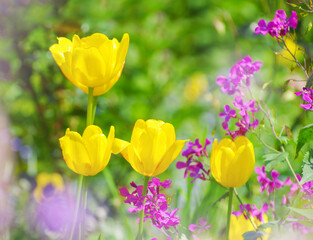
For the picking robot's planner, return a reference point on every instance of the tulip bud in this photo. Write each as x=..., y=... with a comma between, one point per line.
x=91, y=62
x=88, y=154
x=232, y=162
x=153, y=147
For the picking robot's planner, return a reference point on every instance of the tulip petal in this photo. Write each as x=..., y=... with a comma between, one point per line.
x=222, y=161
x=169, y=156
x=170, y=133
x=130, y=154
x=95, y=142
x=119, y=145
x=74, y=153
x=242, y=166
x=121, y=54
x=88, y=67
x=95, y=40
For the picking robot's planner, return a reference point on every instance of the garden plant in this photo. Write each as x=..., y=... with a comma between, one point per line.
x=181, y=132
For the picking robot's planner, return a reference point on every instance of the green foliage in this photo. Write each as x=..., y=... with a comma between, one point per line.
x=307, y=169
x=272, y=160
x=253, y=235
x=305, y=136
x=305, y=212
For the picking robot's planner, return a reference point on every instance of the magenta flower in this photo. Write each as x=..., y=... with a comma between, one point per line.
x=239, y=75
x=155, y=207
x=307, y=96
x=252, y=211
x=279, y=26
x=202, y=227
x=265, y=182
x=194, y=167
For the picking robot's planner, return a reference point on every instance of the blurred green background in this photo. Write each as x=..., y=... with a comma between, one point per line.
x=177, y=49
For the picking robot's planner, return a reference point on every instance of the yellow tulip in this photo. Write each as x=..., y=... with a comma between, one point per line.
x=91, y=62
x=88, y=154
x=232, y=162
x=45, y=180
x=240, y=225
x=152, y=148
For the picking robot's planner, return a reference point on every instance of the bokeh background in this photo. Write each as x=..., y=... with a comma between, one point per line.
x=177, y=50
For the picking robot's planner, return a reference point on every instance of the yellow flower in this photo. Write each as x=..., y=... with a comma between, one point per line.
x=48, y=184
x=196, y=85
x=232, y=162
x=152, y=148
x=91, y=62
x=88, y=154
x=240, y=225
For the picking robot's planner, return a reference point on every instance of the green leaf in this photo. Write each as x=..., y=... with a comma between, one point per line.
x=309, y=28
x=308, y=213
x=268, y=225
x=305, y=136
x=307, y=168
x=253, y=235
x=273, y=159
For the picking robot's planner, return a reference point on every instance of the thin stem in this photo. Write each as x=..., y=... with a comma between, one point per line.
x=244, y=208
x=84, y=205
x=91, y=109
x=81, y=199
x=230, y=200
x=265, y=144
x=78, y=199
x=142, y=213
x=294, y=57
x=275, y=135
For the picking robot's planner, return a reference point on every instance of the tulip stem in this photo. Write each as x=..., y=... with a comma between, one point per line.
x=84, y=204
x=78, y=199
x=91, y=109
x=230, y=201
x=142, y=213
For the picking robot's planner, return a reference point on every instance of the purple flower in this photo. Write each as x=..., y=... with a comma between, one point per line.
x=55, y=213
x=265, y=182
x=192, y=166
x=252, y=211
x=240, y=74
x=261, y=28
x=279, y=26
x=202, y=227
x=307, y=96
x=155, y=207
x=228, y=113
x=296, y=226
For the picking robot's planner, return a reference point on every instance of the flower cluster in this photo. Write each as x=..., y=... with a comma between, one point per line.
x=307, y=96
x=279, y=26
x=154, y=203
x=201, y=228
x=194, y=167
x=240, y=75
x=239, y=78
x=246, y=117
x=297, y=226
x=252, y=211
x=307, y=190
x=267, y=183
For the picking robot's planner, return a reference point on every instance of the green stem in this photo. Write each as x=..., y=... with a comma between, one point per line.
x=142, y=213
x=78, y=199
x=245, y=210
x=91, y=109
x=84, y=205
x=230, y=200
x=81, y=199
